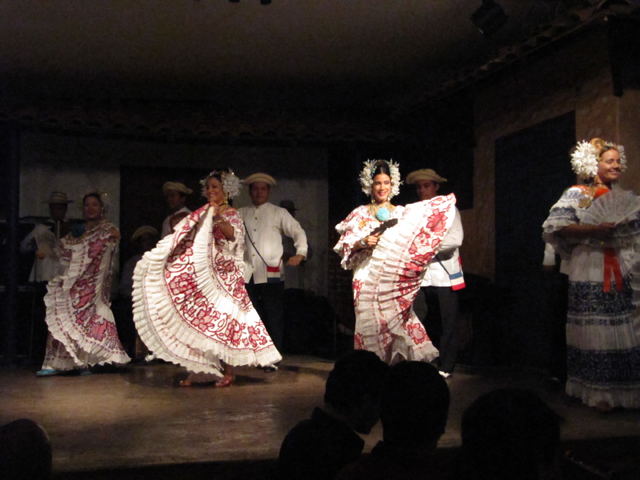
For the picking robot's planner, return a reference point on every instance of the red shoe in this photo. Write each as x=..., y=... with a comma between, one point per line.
x=225, y=381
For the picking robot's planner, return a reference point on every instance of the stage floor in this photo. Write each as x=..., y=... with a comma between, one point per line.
x=138, y=416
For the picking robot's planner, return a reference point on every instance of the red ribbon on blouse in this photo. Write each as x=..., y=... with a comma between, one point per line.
x=611, y=264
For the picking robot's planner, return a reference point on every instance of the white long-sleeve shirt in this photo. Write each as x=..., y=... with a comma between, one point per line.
x=449, y=255
x=166, y=225
x=265, y=225
x=42, y=238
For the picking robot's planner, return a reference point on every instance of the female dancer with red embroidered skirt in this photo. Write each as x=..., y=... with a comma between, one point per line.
x=190, y=303
x=82, y=330
x=387, y=267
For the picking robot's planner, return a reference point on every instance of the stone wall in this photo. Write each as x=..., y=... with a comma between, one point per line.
x=574, y=77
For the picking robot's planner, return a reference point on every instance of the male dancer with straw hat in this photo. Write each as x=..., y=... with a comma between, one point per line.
x=265, y=224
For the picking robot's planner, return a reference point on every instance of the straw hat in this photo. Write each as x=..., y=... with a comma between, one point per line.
x=58, y=198
x=424, y=174
x=261, y=177
x=144, y=230
x=177, y=186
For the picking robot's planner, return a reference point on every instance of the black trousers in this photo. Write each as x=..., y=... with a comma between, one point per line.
x=267, y=298
x=443, y=328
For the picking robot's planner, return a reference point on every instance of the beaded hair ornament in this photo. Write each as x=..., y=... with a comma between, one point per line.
x=105, y=199
x=231, y=185
x=366, y=176
x=585, y=158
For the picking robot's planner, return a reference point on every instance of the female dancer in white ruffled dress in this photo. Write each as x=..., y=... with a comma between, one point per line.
x=603, y=321
x=387, y=267
x=190, y=305
x=82, y=331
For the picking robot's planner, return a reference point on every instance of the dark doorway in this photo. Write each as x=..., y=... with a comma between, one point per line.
x=532, y=170
x=142, y=201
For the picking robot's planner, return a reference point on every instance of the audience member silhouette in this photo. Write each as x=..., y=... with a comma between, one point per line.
x=25, y=451
x=318, y=448
x=508, y=434
x=413, y=412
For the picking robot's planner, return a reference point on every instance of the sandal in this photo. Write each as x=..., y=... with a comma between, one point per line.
x=225, y=381
x=191, y=383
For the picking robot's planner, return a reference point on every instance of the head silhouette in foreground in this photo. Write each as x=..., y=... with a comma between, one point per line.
x=319, y=447
x=508, y=433
x=25, y=451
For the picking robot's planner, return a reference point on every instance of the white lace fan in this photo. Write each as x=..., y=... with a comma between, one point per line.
x=616, y=206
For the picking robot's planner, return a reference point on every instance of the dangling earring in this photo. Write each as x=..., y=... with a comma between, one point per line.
x=226, y=198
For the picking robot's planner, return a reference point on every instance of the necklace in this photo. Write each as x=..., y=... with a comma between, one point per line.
x=91, y=225
x=592, y=192
x=223, y=207
x=380, y=211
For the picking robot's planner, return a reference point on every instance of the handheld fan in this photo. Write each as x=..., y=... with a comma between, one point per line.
x=616, y=206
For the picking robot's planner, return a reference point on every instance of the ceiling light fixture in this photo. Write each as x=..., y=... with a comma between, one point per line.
x=489, y=18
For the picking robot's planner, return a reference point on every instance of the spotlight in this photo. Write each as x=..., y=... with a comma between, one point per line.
x=489, y=17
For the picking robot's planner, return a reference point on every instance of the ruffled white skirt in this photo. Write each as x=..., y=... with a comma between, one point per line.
x=386, y=284
x=82, y=330
x=190, y=305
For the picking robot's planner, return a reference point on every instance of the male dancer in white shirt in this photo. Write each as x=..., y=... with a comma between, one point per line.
x=443, y=277
x=176, y=194
x=43, y=241
x=265, y=224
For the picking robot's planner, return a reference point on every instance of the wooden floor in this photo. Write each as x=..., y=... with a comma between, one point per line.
x=138, y=417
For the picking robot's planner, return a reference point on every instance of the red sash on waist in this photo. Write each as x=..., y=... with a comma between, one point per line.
x=611, y=264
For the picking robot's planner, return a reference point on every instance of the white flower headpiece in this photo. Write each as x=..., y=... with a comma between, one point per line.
x=231, y=184
x=104, y=197
x=584, y=159
x=366, y=176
